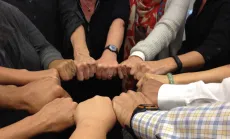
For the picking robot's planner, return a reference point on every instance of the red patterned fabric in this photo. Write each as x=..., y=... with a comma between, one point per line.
x=144, y=14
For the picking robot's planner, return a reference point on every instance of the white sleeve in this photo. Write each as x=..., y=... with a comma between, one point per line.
x=171, y=96
x=139, y=54
x=165, y=31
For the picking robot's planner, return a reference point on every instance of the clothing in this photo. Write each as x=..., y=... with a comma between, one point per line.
x=171, y=96
x=208, y=33
x=143, y=18
x=22, y=45
x=166, y=37
x=51, y=17
x=206, y=121
x=97, y=29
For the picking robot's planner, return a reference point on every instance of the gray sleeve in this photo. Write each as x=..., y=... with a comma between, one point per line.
x=45, y=50
x=165, y=31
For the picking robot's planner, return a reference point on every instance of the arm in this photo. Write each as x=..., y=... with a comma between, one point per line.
x=164, y=32
x=45, y=50
x=72, y=22
x=210, y=76
x=192, y=94
x=22, y=77
x=89, y=131
x=212, y=47
x=23, y=129
x=183, y=122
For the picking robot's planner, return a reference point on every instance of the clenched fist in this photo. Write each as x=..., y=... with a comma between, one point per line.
x=65, y=68
x=36, y=94
x=57, y=115
x=86, y=66
x=125, y=104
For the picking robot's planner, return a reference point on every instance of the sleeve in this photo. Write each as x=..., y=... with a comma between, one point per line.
x=194, y=94
x=165, y=31
x=218, y=38
x=121, y=10
x=70, y=16
x=206, y=121
x=45, y=50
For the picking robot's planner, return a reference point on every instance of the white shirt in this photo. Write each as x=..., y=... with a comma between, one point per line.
x=172, y=96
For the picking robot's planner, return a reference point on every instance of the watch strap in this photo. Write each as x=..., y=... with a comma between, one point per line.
x=140, y=108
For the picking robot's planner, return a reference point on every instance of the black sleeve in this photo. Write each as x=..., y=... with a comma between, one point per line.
x=121, y=10
x=218, y=40
x=70, y=16
x=45, y=50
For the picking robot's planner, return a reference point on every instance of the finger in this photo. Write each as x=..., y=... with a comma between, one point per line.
x=123, y=69
x=64, y=94
x=139, y=84
x=92, y=68
x=86, y=71
x=110, y=73
x=133, y=70
x=120, y=73
x=104, y=72
x=80, y=75
x=99, y=70
x=115, y=69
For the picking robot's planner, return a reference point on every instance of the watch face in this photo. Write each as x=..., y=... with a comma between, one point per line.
x=113, y=48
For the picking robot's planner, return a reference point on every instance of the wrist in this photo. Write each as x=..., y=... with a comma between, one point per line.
x=94, y=128
x=170, y=64
x=109, y=55
x=136, y=58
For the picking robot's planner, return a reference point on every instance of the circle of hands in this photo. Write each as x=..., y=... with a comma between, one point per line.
x=56, y=103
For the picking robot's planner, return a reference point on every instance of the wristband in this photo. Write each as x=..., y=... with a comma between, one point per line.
x=170, y=77
x=179, y=64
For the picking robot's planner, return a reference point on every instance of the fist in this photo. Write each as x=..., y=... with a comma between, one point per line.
x=57, y=115
x=38, y=93
x=126, y=103
x=107, y=66
x=65, y=68
x=149, y=87
x=129, y=66
x=86, y=66
x=98, y=111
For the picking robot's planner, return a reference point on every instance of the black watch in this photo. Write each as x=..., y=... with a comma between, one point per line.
x=140, y=108
x=112, y=48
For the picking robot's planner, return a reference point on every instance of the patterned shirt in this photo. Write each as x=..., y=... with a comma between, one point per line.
x=206, y=121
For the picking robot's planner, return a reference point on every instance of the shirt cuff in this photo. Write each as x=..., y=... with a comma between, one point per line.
x=139, y=54
x=172, y=96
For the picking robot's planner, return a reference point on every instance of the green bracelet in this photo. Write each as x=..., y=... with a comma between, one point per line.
x=170, y=77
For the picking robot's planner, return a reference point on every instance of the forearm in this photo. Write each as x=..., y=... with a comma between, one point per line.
x=88, y=131
x=191, y=61
x=14, y=76
x=78, y=41
x=116, y=33
x=176, y=122
x=23, y=129
x=210, y=76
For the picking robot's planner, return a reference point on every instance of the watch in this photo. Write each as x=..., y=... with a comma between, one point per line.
x=112, y=48
x=140, y=108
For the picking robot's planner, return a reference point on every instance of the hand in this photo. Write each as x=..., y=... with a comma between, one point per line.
x=57, y=115
x=107, y=65
x=126, y=103
x=38, y=93
x=129, y=66
x=155, y=67
x=65, y=68
x=37, y=75
x=150, y=88
x=86, y=66
x=96, y=111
